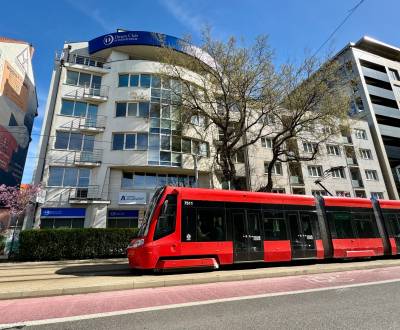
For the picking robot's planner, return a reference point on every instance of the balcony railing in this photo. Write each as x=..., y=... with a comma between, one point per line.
x=92, y=157
x=296, y=180
x=91, y=123
x=347, y=139
x=85, y=193
x=93, y=93
x=351, y=161
x=357, y=183
x=80, y=59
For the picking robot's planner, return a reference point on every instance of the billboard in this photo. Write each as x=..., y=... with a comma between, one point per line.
x=18, y=106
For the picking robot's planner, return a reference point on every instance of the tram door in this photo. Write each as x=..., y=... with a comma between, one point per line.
x=248, y=244
x=303, y=227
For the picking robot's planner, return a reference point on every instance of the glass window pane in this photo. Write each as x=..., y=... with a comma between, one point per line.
x=166, y=83
x=210, y=224
x=204, y=149
x=92, y=111
x=96, y=82
x=155, y=110
x=186, y=146
x=154, y=122
x=162, y=180
x=176, y=159
x=142, y=140
x=88, y=142
x=145, y=80
x=72, y=77
x=127, y=180
x=120, y=109
x=62, y=139
x=75, y=141
x=151, y=180
x=130, y=141
x=123, y=80
x=165, y=142
x=165, y=156
x=118, y=141
x=132, y=109
x=67, y=108
x=156, y=93
x=80, y=109
x=172, y=180
x=144, y=109
x=70, y=177
x=165, y=96
x=176, y=143
x=84, y=176
x=84, y=79
x=134, y=80
x=139, y=180
x=155, y=81
x=166, y=113
x=55, y=176
x=154, y=141
x=166, y=123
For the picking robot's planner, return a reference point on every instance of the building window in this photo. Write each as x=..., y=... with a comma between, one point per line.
x=343, y=194
x=309, y=147
x=122, y=222
x=333, y=149
x=278, y=190
x=319, y=193
x=129, y=141
x=78, y=109
x=239, y=157
x=53, y=223
x=83, y=79
x=74, y=141
x=198, y=120
x=365, y=153
x=315, y=171
x=338, y=173
x=266, y=143
x=276, y=169
x=68, y=177
x=377, y=195
x=394, y=74
x=132, y=109
x=360, y=134
x=360, y=194
x=128, y=80
x=371, y=175
x=152, y=180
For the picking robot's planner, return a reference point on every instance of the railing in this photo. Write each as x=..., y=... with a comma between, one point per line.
x=85, y=193
x=86, y=123
x=80, y=59
x=357, y=183
x=294, y=179
x=97, y=91
x=347, y=139
x=93, y=157
x=351, y=161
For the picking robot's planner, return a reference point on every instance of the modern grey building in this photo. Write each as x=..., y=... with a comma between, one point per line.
x=373, y=70
x=111, y=135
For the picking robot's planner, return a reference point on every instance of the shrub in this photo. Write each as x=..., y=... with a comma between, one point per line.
x=82, y=243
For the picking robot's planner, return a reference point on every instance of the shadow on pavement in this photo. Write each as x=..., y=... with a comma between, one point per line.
x=97, y=270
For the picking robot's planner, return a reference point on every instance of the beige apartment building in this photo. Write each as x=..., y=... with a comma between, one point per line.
x=111, y=136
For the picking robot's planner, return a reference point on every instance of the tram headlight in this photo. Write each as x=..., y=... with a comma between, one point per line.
x=136, y=243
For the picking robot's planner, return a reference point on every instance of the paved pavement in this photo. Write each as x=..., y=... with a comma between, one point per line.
x=361, y=299
x=21, y=280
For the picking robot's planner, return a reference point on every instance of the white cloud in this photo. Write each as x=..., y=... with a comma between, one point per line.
x=185, y=15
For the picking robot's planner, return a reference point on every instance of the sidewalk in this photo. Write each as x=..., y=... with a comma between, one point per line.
x=35, y=279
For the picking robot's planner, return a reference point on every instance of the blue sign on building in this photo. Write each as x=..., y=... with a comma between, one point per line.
x=123, y=213
x=62, y=212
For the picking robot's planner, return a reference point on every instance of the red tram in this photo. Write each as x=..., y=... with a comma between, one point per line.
x=192, y=227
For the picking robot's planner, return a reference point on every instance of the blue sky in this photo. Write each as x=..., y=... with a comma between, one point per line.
x=293, y=26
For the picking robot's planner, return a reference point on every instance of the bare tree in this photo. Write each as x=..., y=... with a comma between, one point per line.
x=233, y=88
x=243, y=98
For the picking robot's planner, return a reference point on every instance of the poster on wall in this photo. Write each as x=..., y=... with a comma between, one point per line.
x=18, y=106
x=130, y=197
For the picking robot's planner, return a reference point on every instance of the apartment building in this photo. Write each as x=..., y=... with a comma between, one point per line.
x=18, y=108
x=372, y=68
x=111, y=135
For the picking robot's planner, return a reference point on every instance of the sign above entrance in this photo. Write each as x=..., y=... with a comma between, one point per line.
x=130, y=197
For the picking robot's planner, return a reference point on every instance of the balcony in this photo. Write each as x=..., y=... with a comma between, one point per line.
x=82, y=61
x=296, y=180
x=351, y=161
x=84, y=195
x=94, y=124
x=95, y=93
x=357, y=183
x=347, y=139
x=88, y=158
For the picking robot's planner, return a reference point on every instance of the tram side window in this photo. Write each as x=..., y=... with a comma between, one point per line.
x=167, y=218
x=309, y=222
x=210, y=224
x=366, y=227
x=275, y=226
x=340, y=224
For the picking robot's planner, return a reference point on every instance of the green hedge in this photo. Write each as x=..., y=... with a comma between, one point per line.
x=82, y=243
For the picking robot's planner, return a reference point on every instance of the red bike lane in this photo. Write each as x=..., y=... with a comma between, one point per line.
x=31, y=309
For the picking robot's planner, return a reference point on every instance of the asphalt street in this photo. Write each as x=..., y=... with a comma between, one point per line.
x=373, y=306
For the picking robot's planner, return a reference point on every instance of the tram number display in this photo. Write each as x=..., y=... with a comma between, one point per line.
x=188, y=203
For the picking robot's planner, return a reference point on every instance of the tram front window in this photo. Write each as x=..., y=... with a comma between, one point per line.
x=144, y=228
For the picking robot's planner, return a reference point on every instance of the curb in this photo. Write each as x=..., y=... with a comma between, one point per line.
x=199, y=278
